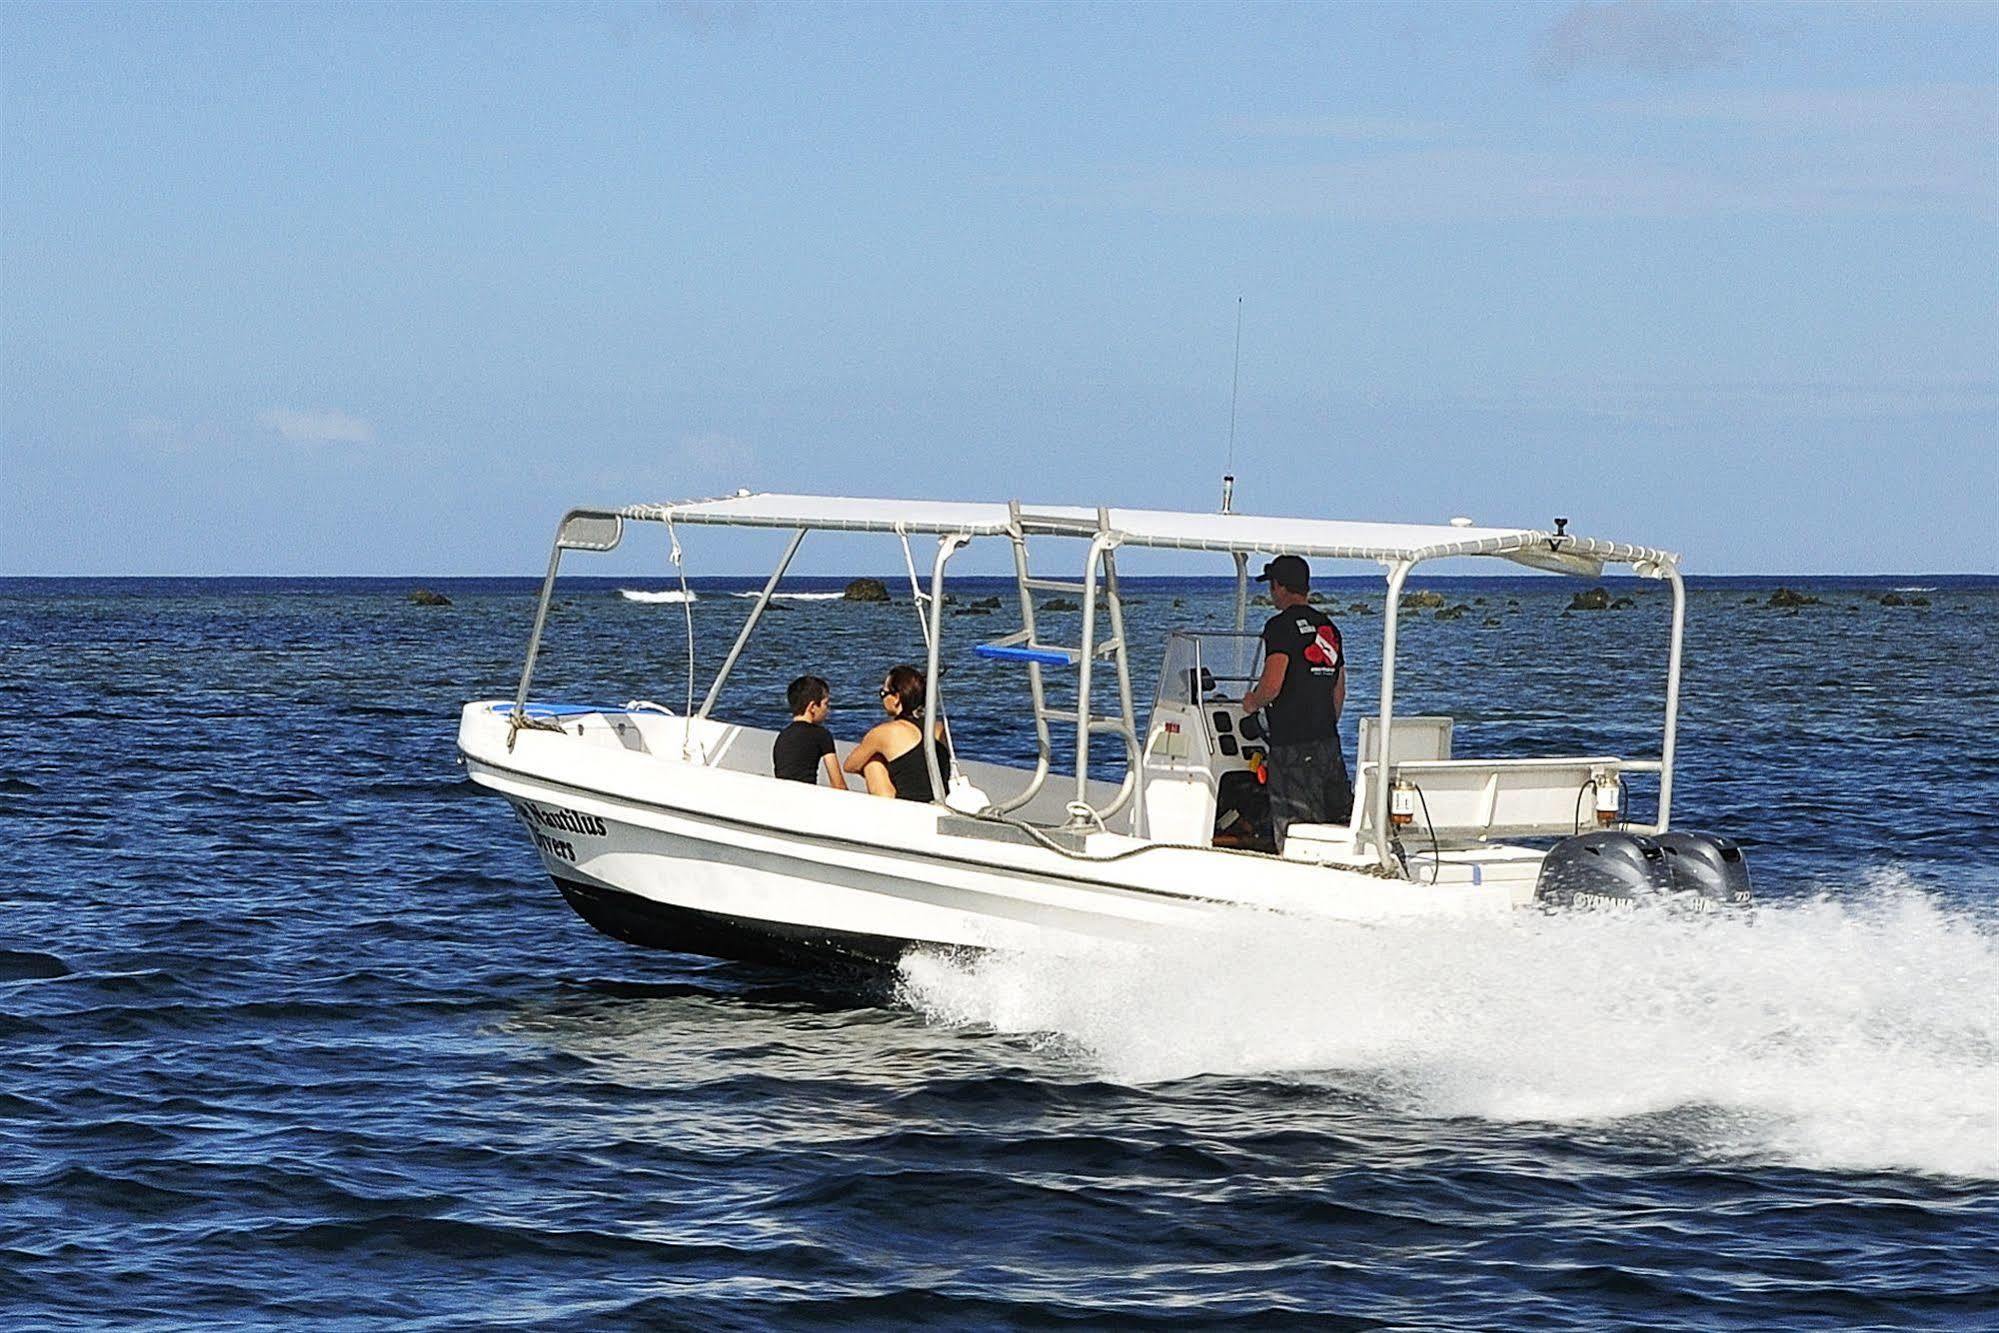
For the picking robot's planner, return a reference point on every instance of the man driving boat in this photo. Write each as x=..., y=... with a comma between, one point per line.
x=1302, y=690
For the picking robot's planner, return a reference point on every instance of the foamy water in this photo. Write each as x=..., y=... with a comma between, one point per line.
x=675, y=596
x=1847, y=1035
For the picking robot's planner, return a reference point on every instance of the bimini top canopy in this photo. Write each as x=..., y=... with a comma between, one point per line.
x=1245, y=533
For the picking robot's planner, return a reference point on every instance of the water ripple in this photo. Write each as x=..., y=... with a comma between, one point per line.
x=298, y=1034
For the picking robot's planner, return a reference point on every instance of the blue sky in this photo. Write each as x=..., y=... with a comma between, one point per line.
x=383, y=289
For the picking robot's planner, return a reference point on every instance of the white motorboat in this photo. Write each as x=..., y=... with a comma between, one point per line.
x=666, y=827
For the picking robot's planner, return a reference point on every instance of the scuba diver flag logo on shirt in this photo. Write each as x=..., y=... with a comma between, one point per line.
x=1324, y=649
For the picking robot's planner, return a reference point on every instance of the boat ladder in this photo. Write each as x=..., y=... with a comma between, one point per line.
x=1026, y=647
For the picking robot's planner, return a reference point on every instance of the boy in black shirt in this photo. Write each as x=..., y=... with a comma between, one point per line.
x=805, y=747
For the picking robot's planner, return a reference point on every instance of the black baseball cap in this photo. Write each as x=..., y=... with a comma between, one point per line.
x=1291, y=571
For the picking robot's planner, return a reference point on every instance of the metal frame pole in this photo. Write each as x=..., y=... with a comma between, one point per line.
x=1241, y=590
x=1377, y=792
x=1132, y=788
x=947, y=545
x=743, y=635
x=1043, y=741
x=540, y=620
x=1672, y=698
x=1087, y=652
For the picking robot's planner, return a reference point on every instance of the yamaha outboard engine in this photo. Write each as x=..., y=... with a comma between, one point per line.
x=1711, y=867
x=1616, y=869
x=1610, y=868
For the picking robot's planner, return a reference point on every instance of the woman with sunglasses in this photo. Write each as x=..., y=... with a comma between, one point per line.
x=890, y=757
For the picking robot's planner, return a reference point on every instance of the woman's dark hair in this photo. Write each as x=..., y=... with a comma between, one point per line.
x=905, y=682
x=806, y=691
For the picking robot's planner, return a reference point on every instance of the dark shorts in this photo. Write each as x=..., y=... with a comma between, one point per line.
x=1309, y=785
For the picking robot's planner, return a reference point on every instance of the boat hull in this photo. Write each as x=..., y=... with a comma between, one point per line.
x=654, y=840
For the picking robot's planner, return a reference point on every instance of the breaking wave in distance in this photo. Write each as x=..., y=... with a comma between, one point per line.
x=667, y=595
x=1841, y=1035
x=803, y=597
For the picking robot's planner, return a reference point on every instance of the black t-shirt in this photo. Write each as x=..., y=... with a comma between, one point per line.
x=1303, y=709
x=798, y=750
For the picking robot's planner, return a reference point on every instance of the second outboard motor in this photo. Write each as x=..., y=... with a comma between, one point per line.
x=1610, y=868
x=1712, y=867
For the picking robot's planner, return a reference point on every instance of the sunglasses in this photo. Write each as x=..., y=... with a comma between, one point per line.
x=886, y=691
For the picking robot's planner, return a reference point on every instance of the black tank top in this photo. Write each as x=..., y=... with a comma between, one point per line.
x=911, y=775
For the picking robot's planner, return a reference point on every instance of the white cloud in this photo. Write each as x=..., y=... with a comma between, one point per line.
x=703, y=17
x=704, y=463
x=1960, y=110
x=714, y=452
x=1894, y=150
x=1343, y=129
x=1470, y=183
x=319, y=426
x=1657, y=38
x=160, y=435
x=1681, y=404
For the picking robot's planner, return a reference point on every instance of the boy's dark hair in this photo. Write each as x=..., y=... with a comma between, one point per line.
x=802, y=693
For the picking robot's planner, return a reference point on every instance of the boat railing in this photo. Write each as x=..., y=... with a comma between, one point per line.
x=956, y=525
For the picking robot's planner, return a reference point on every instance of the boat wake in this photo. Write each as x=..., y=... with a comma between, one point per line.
x=669, y=595
x=1856, y=1035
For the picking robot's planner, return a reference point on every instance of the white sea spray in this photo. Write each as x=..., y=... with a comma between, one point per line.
x=1848, y=1033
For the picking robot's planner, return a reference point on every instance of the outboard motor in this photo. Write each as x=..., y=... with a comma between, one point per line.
x=1616, y=869
x=1712, y=867
x=1610, y=868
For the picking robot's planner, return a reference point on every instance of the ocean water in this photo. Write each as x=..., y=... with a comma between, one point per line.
x=298, y=1033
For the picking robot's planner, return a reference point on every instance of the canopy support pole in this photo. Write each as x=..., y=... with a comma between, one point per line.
x=750, y=624
x=933, y=630
x=1241, y=590
x=540, y=622
x=1672, y=698
x=1377, y=789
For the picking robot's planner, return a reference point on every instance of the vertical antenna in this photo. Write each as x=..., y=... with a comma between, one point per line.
x=1235, y=383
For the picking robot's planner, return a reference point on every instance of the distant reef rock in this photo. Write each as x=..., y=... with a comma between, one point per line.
x=1596, y=599
x=1059, y=604
x=1421, y=601
x=428, y=597
x=1790, y=599
x=865, y=590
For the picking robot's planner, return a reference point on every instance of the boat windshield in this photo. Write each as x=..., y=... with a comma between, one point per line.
x=1203, y=664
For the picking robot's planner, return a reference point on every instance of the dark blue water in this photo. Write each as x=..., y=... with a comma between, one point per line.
x=297, y=1032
